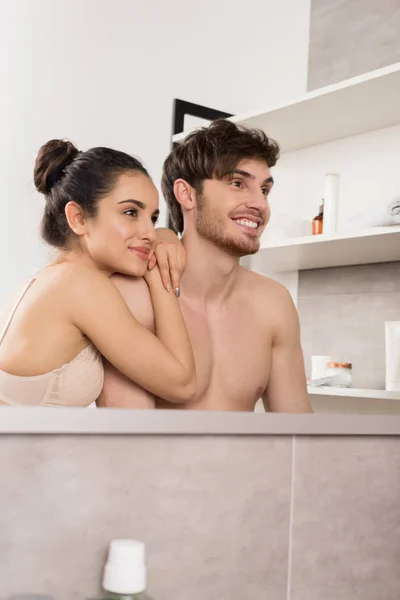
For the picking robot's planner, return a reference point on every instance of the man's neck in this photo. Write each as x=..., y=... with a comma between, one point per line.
x=210, y=273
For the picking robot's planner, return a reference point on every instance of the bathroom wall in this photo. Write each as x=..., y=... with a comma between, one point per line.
x=342, y=311
x=222, y=517
x=106, y=73
x=351, y=37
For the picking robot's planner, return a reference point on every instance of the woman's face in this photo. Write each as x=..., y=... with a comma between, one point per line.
x=121, y=238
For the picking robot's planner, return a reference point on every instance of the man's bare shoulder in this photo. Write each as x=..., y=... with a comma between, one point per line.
x=135, y=292
x=263, y=287
x=270, y=300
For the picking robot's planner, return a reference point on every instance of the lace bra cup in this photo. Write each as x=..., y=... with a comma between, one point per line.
x=77, y=383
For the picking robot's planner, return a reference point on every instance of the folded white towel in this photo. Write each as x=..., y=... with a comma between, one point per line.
x=382, y=215
x=283, y=226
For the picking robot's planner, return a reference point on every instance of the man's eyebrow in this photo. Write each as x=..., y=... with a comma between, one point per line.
x=241, y=172
x=250, y=176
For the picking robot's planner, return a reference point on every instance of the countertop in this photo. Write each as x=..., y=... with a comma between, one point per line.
x=109, y=421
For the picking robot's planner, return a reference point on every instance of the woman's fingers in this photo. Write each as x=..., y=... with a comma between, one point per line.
x=152, y=262
x=161, y=254
x=171, y=260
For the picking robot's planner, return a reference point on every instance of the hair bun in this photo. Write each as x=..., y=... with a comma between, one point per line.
x=51, y=161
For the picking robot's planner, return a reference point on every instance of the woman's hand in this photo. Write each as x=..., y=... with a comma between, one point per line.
x=170, y=256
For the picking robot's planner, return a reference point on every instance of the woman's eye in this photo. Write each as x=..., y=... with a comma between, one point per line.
x=132, y=212
x=155, y=220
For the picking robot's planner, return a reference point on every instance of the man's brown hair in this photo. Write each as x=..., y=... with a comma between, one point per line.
x=212, y=152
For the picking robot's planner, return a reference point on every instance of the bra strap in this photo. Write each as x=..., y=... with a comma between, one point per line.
x=17, y=303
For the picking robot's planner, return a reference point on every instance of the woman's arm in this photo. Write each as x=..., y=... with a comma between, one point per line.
x=163, y=365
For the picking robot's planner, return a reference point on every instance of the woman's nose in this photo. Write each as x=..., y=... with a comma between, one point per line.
x=148, y=232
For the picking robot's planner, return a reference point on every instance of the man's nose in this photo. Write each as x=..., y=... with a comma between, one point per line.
x=258, y=201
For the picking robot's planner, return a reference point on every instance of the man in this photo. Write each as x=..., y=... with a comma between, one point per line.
x=243, y=326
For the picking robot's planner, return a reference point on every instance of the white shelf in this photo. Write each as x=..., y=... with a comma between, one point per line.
x=353, y=393
x=381, y=244
x=352, y=107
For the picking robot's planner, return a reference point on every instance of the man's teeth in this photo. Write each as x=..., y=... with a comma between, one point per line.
x=247, y=223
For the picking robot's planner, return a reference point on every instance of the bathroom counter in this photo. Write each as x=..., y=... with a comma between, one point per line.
x=216, y=497
x=174, y=422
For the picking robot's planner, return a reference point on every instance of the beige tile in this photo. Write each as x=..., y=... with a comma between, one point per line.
x=213, y=512
x=349, y=328
x=361, y=279
x=351, y=37
x=346, y=534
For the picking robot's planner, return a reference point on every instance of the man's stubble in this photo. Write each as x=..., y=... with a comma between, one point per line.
x=211, y=227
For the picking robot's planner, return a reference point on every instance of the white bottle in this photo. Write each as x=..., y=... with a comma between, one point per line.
x=331, y=203
x=125, y=571
x=392, y=343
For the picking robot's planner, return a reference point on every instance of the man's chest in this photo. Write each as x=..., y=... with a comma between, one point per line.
x=232, y=354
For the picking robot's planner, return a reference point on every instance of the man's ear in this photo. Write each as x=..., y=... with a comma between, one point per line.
x=185, y=194
x=76, y=218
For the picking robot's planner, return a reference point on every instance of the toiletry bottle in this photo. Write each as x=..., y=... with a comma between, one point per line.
x=317, y=222
x=125, y=571
x=331, y=202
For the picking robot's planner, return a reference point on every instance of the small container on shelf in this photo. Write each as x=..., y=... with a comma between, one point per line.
x=331, y=202
x=342, y=372
x=318, y=221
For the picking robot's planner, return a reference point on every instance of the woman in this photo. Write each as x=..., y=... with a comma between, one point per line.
x=100, y=213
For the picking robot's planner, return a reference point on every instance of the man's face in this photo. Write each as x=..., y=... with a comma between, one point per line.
x=233, y=212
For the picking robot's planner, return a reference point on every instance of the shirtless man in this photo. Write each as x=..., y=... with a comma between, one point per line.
x=243, y=326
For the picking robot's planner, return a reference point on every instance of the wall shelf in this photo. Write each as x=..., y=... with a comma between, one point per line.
x=381, y=244
x=353, y=393
x=352, y=107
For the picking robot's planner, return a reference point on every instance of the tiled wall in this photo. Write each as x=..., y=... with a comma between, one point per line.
x=342, y=314
x=351, y=37
x=346, y=530
x=223, y=518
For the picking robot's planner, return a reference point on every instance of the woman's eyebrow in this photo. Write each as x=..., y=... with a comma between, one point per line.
x=137, y=202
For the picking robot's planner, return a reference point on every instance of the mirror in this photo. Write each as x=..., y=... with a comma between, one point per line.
x=314, y=224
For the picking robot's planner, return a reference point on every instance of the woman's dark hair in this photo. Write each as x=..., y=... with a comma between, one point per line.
x=62, y=173
x=212, y=152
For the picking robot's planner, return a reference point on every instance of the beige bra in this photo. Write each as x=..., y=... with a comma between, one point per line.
x=77, y=383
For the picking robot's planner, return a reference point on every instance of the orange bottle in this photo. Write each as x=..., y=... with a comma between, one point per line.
x=318, y=221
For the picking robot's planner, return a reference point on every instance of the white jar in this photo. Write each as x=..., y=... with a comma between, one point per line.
x=319, y=365
x=343, y=372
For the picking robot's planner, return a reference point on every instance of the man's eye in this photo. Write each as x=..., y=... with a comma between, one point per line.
x=265, y=191
x=236, y=183
x=132, y=212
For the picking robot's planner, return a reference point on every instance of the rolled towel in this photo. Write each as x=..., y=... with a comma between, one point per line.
x=382, y=215
x=394, y=207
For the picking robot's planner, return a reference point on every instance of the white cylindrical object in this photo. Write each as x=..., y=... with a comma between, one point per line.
x=125, y=571
x=319, y=365
x=392, y=339
x=331, y=203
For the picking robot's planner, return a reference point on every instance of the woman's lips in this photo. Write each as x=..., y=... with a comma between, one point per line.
x=142, y=252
